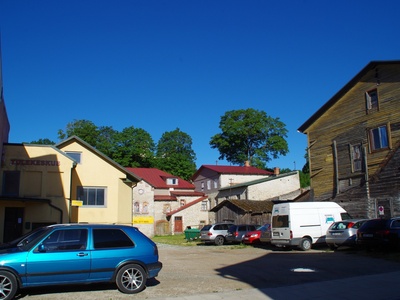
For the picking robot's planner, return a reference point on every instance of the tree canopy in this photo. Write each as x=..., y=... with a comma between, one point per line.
x=175, y=154
x=250, y=135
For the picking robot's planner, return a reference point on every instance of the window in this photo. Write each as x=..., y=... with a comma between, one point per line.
x=204, y=205
x=64, y=240
x=215, y=183
x=75, y=156
x=379, y=138
x=356, y=157
x=371, y=98
x=172, y=181
x=110, y=238
x=202, y=186
x=91, y=196
x=183, y=202
x=208, y=184
x=11, y=183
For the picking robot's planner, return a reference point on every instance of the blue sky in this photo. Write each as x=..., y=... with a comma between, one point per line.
x=162, y=65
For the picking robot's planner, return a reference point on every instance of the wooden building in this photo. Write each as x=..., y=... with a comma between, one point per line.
x=353, y=144
x=255, y=212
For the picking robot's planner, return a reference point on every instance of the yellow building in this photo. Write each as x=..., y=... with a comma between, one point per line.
x=68, y=182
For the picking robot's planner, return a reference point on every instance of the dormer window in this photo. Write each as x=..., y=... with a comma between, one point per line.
x=172, y=181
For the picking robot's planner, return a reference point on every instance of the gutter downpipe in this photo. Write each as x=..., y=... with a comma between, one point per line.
x=70, y=192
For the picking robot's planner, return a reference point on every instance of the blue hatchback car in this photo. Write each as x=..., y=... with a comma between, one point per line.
x=78, y=253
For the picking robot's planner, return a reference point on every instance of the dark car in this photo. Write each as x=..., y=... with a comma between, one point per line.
x=383, y=233
x=261, y=235
x=236, y=232
x=343, y=233
x=79, y=253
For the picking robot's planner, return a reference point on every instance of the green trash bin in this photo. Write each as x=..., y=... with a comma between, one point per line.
x=192, y=234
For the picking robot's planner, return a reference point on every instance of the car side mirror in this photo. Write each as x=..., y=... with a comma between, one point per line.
x=41, y=248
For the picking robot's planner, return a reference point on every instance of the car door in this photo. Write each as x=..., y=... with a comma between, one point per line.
x=61, y=257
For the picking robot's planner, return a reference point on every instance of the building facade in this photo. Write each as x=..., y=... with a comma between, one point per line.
x=353, y=144
x=68, y=182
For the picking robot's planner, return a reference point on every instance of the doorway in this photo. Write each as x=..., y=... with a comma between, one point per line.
x=13, y=223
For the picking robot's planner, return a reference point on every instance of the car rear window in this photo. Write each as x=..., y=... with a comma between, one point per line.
x=111, y=238
x=206, y=228
x=374, y=224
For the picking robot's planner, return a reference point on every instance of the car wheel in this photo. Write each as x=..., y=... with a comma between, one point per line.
x=305, y=244
x=131, y=279
x=8, y=285
x=219, y=240
x=332, y=246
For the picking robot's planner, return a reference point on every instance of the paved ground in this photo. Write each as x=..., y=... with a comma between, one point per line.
x=210, y=272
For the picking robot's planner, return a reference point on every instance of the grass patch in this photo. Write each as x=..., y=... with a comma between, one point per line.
x=176, y=239
x=180, y=240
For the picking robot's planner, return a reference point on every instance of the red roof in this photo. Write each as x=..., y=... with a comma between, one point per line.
x=186, y=206
x=157, y=178
x=237, y=170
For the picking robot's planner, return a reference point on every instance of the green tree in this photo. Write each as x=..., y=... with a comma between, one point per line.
x=43, y=142
x=107, y=140
x=84, y=129
x=175, y=154
x=250, y=135
x=134, y=148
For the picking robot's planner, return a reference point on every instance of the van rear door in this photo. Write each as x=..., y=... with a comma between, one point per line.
x=280, y=234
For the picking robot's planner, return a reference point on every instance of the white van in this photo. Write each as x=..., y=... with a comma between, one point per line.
x=302, y=224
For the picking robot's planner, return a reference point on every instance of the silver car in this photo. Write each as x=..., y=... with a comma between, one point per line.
x=215, y=233
x=343, y=233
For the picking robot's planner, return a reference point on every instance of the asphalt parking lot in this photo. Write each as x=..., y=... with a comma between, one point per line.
x=211, y=270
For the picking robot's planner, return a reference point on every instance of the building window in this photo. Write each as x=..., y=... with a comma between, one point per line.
x=172, y=181
x=371, y=98
x=379, y=138
x=75, y=156
x=166, y=208
x=356, y=157
x=204, y=206
x=91, y=196
x=208, y=184
x=183, y=202
x=215, y=183
x=11, y=183
x=202, y=186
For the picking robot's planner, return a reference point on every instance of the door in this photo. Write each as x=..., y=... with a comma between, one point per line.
x=178, y=224
x=13, y=221
x=61, y=257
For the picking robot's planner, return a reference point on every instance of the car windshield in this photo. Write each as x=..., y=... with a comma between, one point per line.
x=264, y=227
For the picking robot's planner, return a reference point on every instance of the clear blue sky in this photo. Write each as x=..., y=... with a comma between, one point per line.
x=162, y=65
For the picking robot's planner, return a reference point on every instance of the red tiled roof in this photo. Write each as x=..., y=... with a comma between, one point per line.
x=164, y=198
x=187, y=193
x=238, y=170
x=186, y=206
x=157, y=178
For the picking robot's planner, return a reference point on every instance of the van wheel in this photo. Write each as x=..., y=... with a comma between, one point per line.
x=305, y=244
x=219, y=240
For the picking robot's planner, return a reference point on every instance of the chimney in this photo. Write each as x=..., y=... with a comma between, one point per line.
x=247, y=163
x=276, y=171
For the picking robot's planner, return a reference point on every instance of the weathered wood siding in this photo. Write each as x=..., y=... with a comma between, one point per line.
x=347, y=123
x=234, y=214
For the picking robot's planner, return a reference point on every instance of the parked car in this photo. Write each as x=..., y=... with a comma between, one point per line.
x=215, y=233
x=262, y=234
x=343, y=233
x=236, y=232
x=79, y=253
x=380, y=233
